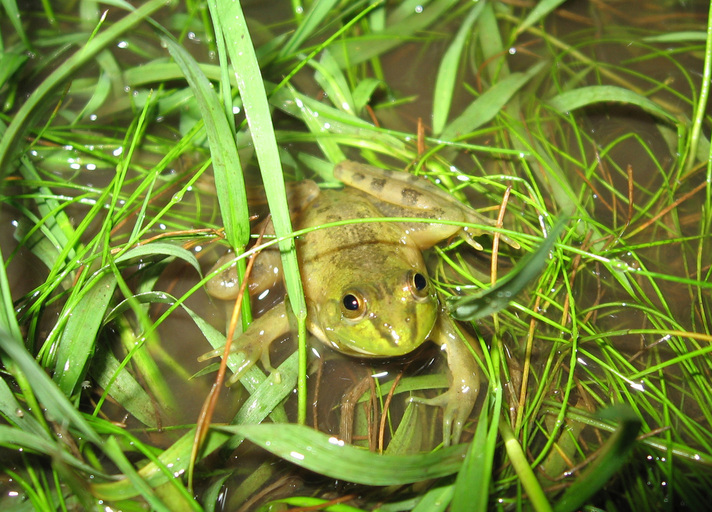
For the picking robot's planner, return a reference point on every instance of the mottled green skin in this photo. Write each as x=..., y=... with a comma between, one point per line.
x=381, y=265
x=374, y=261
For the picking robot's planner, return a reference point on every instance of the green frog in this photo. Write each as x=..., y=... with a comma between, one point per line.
x=366, y=285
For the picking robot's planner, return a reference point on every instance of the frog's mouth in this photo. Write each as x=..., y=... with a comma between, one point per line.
x=371, y=338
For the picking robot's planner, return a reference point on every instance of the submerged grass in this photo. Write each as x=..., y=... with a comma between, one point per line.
x=601, y=364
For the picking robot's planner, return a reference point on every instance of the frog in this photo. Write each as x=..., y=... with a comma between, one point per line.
x=367, y=289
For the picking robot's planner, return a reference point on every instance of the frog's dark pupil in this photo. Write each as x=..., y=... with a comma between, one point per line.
x=350, y=302
x=420, y=282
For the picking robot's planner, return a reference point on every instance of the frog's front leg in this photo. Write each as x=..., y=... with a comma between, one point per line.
x=255, y=342
x=459, y=400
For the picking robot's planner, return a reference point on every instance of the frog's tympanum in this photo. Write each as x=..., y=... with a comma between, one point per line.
x=366, y=286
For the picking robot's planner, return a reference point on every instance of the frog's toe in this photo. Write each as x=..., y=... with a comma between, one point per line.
x=267, y=365
x=454, y=418
x=468, y=237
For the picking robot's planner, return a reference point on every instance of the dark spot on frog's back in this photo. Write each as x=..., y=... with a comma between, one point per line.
x=377, y=184
x=358, y=176
x=410, y=196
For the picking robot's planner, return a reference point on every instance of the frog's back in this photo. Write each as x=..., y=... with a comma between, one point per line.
x=368, y=244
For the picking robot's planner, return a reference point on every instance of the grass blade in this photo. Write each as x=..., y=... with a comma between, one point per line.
x=591, y=95
x=329, y=456
x=449, y=69
x=614, y=454
x=76, y=344
x=484, y=108
x=492, y=300
x=47, y=391
x=257, y=111
x=541, y=9
x=229, y=182
x=472, y=485
x=312, y=19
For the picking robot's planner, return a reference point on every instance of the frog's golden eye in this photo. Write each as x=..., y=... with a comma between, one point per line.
x=418, y=285
x=353, y=305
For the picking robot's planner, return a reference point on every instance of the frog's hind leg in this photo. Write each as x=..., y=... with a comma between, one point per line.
x=401, y=194
x=266, y=273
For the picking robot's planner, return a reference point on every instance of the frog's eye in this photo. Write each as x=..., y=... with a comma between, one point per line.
x=418, y=285
x=353, y=305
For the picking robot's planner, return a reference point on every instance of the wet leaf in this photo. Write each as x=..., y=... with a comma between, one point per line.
x=331, y=457
x=594, y=94
x=76, y=343
x=492, y=300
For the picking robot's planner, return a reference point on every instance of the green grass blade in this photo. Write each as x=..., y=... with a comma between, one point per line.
x=312, y=19
x=472, y=485
x=542, y=8
x=55, y=402
x=257, y=111
x=8, y=320
x=15, y=438
x=254, y=97
x=15, y=414
x=484, y=108
x=328, y=456
x=519, y=460
x=614, y=454
x=142, y=487
x=449, y=70
x=360, y=49
x=122, y=386
x=492, y=300
x=591, y=95
x=13, y=14
x=266, y=398
x=11, y=60
x=330, y=77
x=76, y=343
x=436, y=500
x=159, y=249
x=229, y=182
x=701, y=106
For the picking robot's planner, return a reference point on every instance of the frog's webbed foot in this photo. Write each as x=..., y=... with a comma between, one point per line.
x=254, y=343
x=251, y=352
x=459, y=400
x=457, y=404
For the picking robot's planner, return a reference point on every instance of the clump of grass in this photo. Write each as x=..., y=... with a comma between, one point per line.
x=601, y=364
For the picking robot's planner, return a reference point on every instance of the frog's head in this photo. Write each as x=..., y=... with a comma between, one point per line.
x=384, y=316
